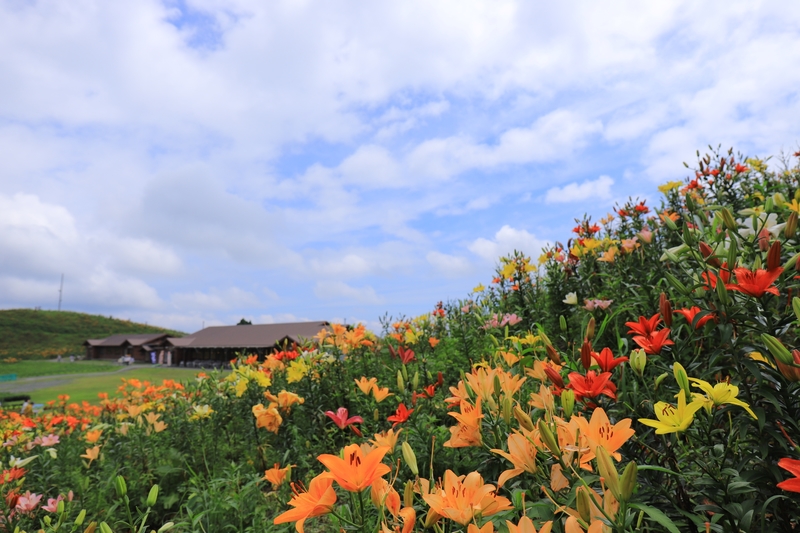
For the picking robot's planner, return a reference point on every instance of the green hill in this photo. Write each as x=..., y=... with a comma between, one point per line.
x=26, y=333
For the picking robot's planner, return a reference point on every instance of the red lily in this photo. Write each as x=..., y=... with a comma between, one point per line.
x=711, y=279
x=401, y=415
x=341, y=419
x=644, y=326
x=406, y=355
x=652, y=345
x=793, y=466
x=605, y=359
x=592, y=385
x=755, y=283
x=691, y=313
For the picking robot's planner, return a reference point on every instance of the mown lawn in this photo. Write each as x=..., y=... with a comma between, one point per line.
x=27, y=369
x=87, y=387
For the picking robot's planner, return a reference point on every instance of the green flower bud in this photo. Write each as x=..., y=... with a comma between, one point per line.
x=152, y=496
x=638, y=360
x=791, y=225
x=568, y=402
x=790, y=264
x=166, y=527
x=722, y=293
x=376, y=415
x=796, y=307
x=659, y=379
x=404, y=368
x=121, y=488
x=104, y=528
x=670, y=223
x=81, y=517
x=48, y=520
x=609, y=472
x=682, y=378
x=401, y=385
x=548, y=438
x=628, y=481
x=676, y=283
x=777, y=349
x=562, y=321
x=508, y=409
x=733, y=251
x=415, y=381
x=727, y=218
x=497, y=387
x=410, y=457
x=584, y=504
x=408, y=494
x=768, y=205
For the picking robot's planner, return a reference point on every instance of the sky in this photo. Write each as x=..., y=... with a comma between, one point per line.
x=194, y=162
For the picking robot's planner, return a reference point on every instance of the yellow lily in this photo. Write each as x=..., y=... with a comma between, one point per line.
x=673, y=419
x=719, y=394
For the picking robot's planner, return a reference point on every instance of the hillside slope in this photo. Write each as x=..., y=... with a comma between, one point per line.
x=29, y=333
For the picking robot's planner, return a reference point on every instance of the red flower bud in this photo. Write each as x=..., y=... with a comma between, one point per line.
x=666, y=309
x=586, y=354
x=774, y=256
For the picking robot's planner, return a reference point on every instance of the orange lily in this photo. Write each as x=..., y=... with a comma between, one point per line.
x=93, y=436
x=380, y=393
x=356, y=471
x=267, y=417
x=468, y=431
x=92, y=454
x=525, y=525
x=365, y=385
x=465, y=497
x=383, y=494
x=317, y=501
x=388, y=439
x=599, y=432
x=521, y=453
x=277, y=475
x=488, y=527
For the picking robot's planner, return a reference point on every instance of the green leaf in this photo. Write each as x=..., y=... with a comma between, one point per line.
x=657, y=516
x=658, y=469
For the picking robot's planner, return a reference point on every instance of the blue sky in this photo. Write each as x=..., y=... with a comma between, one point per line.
x=200, y=161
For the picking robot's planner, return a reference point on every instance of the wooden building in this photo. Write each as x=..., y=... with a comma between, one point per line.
x=223, y=343
x=137, y=346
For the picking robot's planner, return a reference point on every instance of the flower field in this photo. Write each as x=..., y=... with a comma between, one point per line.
x=639, y=376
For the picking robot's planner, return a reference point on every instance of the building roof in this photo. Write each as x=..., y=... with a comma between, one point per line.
x=249, y=335
x=130, y=340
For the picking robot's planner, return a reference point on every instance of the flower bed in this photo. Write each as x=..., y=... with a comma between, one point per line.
x=640, y=377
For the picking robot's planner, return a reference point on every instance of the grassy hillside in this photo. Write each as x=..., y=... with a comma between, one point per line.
x=29, y=333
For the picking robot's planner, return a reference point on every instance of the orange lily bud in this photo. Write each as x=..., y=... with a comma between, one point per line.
x=586, y=354
x=583, y=504
x=523, y=418
x=792, y=373
x=774, y=256
x=666, y=309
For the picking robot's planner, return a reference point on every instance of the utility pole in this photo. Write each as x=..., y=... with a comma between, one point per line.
x=60, y=291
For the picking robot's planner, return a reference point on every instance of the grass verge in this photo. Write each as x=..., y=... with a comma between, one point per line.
x=86, y=388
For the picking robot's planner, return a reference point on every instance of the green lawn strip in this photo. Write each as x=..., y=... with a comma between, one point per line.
x=29, y=369
x=86, y=388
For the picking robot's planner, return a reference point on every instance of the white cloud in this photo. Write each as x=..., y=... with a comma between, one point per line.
x=599, y=189
x=215, y=299
x=451, y=266
x=330, y=290
x=506, y=240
